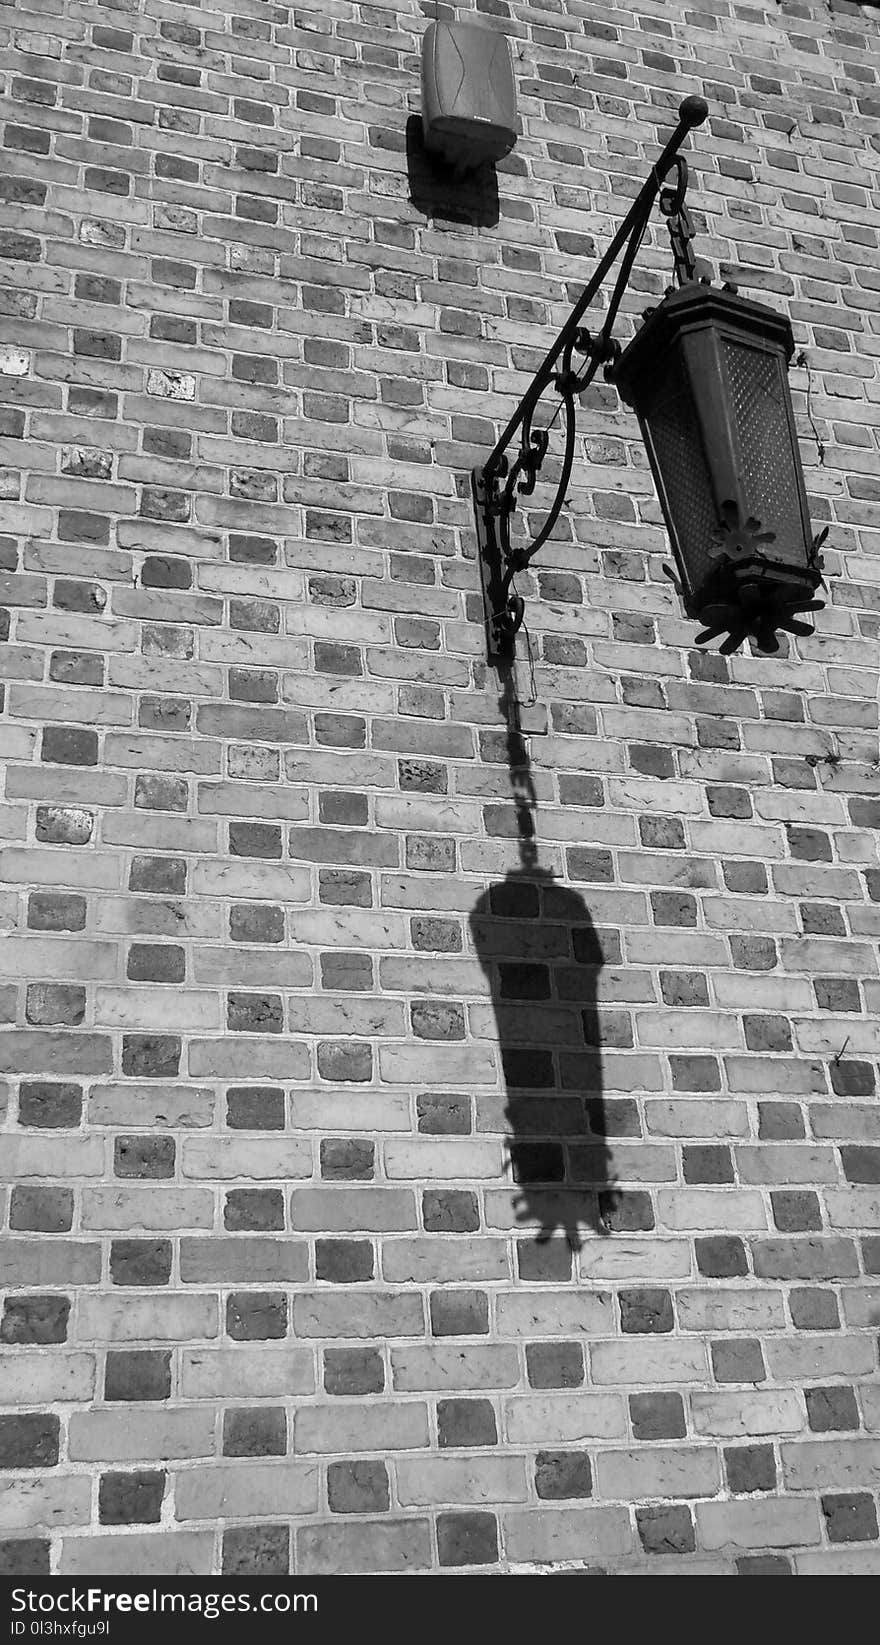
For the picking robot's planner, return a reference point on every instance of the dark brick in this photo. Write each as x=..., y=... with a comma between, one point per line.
x=163, y=876
x=563, y=1475
x=41, y=1210
x=852, y=1079
x=254, y=1209
x=646, y=1311
x=695, y=1073
x=721, y=1256
x=822, y=920
x=138, y=1374
x=345, y=809
x=779, y=1121
x=55, y=1105
x=253, y=685
x=684, y=988
x=808, y=844
x=131, y=1499
x=524, y=982
x=747, y=879
x=140, y=1261
x=35, y=1319
x=24, y=1556
x=73, y=595
x=353, y=1371
x=590, y=866
x=666, y=1530
x=69, y=745
x=814, y=1310
x=555, y=1364
x=256, y=922
x=459, y=1313
x=151, y=1056
x=155, y=962
x=767, y=1033
x=344, y=1261
x=437, y=1020
x=840, y=994
x=256, y=1550
x=467, y=1539
x=339, y=730
x=255, y=1108
x=160, y=792
x=347, y=1159
x=450, y=1211
x=466, y=1422
x=673, y=908
x=151, y=1157
x=341, y=887
x=29, y=1440
x=707, y=1163
x=359, y=1487
x=662, y=833
x=436, y=936
x=164, y=714
x=850, y=1518
x=860, y=1164
x=161, y=571
x=255, y=1431
x=763, y=1565
x=56, y=911
x=753, y=953
x=738, y=1360
x=444, y=1114
x=657, y=1416
x=543, y=1259
x=53, y=1003
x=254, y=1013
x=256, y=1316
x=345, y=1061
x=255, y=839
x=831, y=1410
x=64, y=825
x=248, y=550
x=750, y=1468
x=796, y=1211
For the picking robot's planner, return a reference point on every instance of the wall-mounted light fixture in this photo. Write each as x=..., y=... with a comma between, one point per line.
x=706, y=375
x=468, y=95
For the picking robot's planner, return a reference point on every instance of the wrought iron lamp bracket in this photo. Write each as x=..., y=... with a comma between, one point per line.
x=503, y=481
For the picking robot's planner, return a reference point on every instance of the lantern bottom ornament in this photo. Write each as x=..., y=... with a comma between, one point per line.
x=707, y=377
x=750, y=595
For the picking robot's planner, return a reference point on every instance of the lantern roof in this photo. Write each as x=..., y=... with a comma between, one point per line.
x=698, y=304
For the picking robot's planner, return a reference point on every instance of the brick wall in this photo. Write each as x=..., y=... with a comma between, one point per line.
x=307, y=955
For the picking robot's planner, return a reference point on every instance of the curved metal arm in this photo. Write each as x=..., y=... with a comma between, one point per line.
x=500, y=484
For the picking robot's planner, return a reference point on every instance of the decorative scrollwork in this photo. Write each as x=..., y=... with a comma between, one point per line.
x=500, y=486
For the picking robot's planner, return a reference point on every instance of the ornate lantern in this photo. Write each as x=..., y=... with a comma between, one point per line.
x=706, y=375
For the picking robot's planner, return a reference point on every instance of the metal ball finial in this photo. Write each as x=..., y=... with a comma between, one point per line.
x=693, y=111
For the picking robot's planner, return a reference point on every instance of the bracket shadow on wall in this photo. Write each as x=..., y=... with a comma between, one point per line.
x=436, y=191
x=707, y=376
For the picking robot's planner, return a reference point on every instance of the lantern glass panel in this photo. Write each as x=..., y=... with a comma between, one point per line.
x=681, y=470
x=769, y=480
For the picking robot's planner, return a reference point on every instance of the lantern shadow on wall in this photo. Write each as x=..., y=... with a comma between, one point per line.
x=542, y=955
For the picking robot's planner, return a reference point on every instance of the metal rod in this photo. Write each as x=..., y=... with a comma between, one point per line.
x=692, y=112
